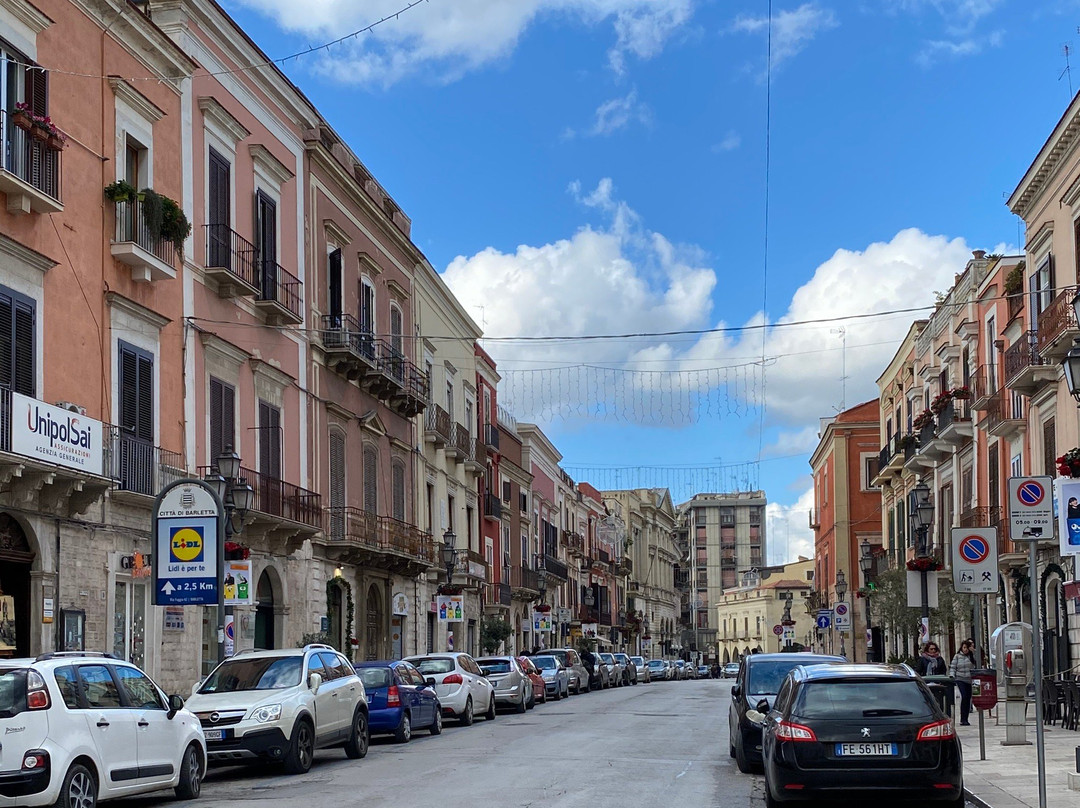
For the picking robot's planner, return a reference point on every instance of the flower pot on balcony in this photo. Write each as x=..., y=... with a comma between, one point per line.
x=22, y=120
x=37, y=133
x=56, y=143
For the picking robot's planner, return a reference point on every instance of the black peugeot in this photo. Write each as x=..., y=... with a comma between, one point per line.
x=760, y=677
x=859, y=732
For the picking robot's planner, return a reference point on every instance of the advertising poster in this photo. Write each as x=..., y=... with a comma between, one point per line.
x=451, y=608
x=7, y=623
x=1068, y=502
x=238, y=583
x=55, y=435
x=589, y=630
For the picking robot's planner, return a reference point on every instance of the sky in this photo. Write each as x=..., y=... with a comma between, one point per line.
x=588, y=168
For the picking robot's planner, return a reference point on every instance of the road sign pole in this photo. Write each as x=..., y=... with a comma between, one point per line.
x=1036, y=650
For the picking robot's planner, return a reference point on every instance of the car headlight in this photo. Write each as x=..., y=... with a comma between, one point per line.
x=269, y=712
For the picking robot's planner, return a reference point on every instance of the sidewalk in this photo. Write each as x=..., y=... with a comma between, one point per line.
x=1008, y=778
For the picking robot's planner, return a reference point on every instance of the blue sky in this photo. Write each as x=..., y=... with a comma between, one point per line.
x=580, y=167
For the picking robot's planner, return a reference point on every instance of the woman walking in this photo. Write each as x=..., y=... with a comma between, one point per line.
x=960, y=669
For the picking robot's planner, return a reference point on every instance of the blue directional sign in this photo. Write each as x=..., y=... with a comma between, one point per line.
x=186, y=535
x=824, y=619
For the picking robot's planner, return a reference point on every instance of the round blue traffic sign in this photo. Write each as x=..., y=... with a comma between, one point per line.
x=1030, y=493
x=974, y=549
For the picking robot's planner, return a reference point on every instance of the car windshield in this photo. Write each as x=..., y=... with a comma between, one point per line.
x=637, y=660
x=374, y=678
x=561, y=656
x=608, y=658
x=545, y=663
x=257, y=673
x=858, y=699
x=433, y=664
x=766, y=677
x=656, y=663
x=12, y=692
x=494, y=665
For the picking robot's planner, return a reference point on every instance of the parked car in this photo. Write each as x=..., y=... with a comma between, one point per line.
x=642, y=669
x=600, y=675
x=579, y=677
x=66, y=716
x=461, y=686
x=760, y=677
x=680, y=669
x=630, y=676
x=512, y=686
x=689, y=670
x=279, y=706
x=615, y=676
x=703, y=672
x=539, y=688
x=556, y=676
x=839, y=731
x=399, y=699
x=658, y=669
x=730, y=670
x=673, y=672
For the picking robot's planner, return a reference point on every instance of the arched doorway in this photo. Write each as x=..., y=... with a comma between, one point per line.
x=265, y=628
x=374, y=619
x=16, y=558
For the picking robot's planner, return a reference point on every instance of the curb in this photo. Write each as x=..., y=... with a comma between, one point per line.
x=976, y=800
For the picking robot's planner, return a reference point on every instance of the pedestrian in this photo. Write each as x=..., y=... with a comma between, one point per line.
x=960, y=669
x=930, y=662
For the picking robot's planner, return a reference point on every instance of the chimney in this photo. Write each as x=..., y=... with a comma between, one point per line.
x=979, y=254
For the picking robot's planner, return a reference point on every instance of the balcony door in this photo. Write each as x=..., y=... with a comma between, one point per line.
x=218, y=230
x=333, y=282
x=17, y=336
x=270, y=458
x=266, y=243
x=1042, y=289
x=136, y=437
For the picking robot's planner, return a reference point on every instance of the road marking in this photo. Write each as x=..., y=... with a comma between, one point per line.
x=684, y=771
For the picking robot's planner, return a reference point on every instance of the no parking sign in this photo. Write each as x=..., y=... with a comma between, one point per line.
x=974, y=560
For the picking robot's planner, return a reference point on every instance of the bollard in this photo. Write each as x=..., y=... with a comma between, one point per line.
x=1074, y=777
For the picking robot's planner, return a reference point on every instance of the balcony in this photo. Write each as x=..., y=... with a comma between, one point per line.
x=1058, y=327
x=459, y=447
x=983, y=385
x=150, y=257
x=491, y=436
x=354, y=536
x=1015, y=304
x=437, y=426
x=230, y=262
x=30, y=173
x=981, y=516
x=473, y=565
x=815, y=520
x=1025, y=370
x=954, y=426
x=524, y=583
x=625, y=566
x=280, y=295
x=349, y=349
x=931, y=448
x=492, y=506
x=397, y=381
x=574, y=543
x=555, y=569
x=499, y=595
x=588, y=614
x=59, y=489
x=1004, y=416
x=137, y=466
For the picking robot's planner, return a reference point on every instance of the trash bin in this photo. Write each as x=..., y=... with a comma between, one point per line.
x=943, y=689
x=984, y=688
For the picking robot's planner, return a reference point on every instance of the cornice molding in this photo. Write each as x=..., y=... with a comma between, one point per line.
x=25, y=255
x=136, y=100
x=27, y=14
x=118, y=301
x=260, y=367
x=266, y=161
x=222, y=118
x=335, y=233
x=1050, y=158
x=226, y=351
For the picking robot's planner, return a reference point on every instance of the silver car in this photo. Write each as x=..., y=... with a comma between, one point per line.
x=643, y=673
x=556, y=676
x=461, y=686
x=657, y=669
x=579, y=677
x=615, y=670
x=629, y=669
x=512, y=686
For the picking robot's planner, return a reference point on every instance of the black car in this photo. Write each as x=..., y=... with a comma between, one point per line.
x=760, y=677
x=863, y=732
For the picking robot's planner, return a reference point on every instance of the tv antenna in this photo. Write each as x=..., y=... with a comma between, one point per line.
x=1068, y=68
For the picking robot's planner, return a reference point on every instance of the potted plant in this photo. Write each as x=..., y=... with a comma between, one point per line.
x=175, y=226
x=1068, y=465
x=962, y=393
x=1014, y=281
x=234, y=551
x=21, y=117
x=121, y=191
x=922, y=420
x=926, y=564
x=940, y=402
x=908, y=441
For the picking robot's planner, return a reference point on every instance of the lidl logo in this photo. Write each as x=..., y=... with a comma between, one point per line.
x=186, y=544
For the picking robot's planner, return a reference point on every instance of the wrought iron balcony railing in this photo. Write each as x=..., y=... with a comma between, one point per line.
x=132, y=227
x=227, y=251
x=138, y=466
x=31, y=161
x=278, y=498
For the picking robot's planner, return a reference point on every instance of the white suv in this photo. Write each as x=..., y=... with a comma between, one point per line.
x=282, y=706
x=79, y=727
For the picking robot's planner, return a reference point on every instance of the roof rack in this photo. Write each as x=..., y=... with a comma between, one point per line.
x=319, y=645
x=65, y=654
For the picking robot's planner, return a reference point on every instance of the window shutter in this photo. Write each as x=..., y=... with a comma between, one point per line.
x=222, y=417
x=1049, y=450
x=7, y=340
x=337, y=486
x=215, y=419
x=17, y=337
x=399, y=491
x=269, y=440
x=334, y=280
x=37, y=90
x=395, y=330
x=144, y=426
x=129, y=392
x=371, y=482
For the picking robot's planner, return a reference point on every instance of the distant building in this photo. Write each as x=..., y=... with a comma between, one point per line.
x=748, y=614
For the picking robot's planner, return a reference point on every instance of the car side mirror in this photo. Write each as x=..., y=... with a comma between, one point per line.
x=736, y=691
x=314, y=680
x=195, y=688
x=762, y=706
x=755, y=716
x=430, y=681
x=176, y=704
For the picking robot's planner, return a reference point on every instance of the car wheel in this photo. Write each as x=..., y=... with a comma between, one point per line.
x=770, y=800
x=301, y=750
x=190, y=784
x=79, y=789
x=466, y=718
x=436, y=726
x=543, y=699
x=359, y=738
x=521, y=706
x=403, y=733
x=731, y=749
x=532, y=700
x=558, y=693
x=740, y=756
x=490, y=714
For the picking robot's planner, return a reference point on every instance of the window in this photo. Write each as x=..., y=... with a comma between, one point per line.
x=69, y=689
x=870, y=470
x=218, y=216
x=17, y=335
x=371, y=479
x=727, y=516
x=367, y=306
x=136, y=438
x=398, y=473
x=266, y=243
x=333, y=287
x=98, y=687
x=523, y=501
x=337, y=485
x=139, y=690
x=506, y=491
x=469, y=416
x=1041, y=284
x=222, y=417
x=450, y=398
x=129, y=620
x=269, y=440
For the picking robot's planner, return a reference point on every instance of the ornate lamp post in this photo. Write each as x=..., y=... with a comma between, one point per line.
x=841, y=590
x=866, y=563
x=921, y=511
x=449, y=559
x=237, y=497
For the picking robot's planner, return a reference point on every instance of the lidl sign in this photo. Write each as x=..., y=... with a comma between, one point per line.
x=187, y=523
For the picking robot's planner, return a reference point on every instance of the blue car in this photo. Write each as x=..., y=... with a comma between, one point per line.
x=399, y=699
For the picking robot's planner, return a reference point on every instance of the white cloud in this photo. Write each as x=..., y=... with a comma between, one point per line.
x=730, y=142
x=792, y=30
x=960, y=16
x=798, y=442
x=618, y=113
x=936, y=50
x=451, y=38
x=787, y=529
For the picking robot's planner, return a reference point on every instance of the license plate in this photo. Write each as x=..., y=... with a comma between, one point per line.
x=865, y=749
x=214, y=734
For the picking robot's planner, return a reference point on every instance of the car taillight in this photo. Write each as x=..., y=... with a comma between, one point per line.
x=37, y=697
x=35, y=759
x=938, y=731
x=393, y=697
x=453, y=679
x=787, y=731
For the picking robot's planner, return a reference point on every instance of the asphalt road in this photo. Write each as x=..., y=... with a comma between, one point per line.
x=663, y=743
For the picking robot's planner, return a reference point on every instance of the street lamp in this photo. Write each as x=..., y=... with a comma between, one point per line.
x=866, y=563
x=449, y=553
x=237, y=498
x=922, y=515
x=841, y=590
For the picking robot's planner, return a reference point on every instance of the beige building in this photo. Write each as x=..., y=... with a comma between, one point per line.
x=747, y=614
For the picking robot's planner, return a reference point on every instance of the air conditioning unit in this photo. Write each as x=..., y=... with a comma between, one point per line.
x=71, y=407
